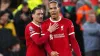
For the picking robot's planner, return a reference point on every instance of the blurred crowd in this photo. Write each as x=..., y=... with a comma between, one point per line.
x=85, y=15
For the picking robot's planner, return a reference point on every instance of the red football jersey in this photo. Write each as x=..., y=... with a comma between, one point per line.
x=59, y=40
x=34, y=40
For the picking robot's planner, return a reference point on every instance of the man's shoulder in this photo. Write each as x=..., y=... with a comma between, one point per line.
x=18, y=12
x=28, y=25
x=10, y=22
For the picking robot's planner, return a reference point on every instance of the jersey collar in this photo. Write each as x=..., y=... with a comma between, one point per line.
x=56, y=21
x=36, y=24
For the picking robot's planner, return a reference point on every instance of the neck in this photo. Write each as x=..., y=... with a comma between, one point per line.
x=55, y=19
x=38, y=23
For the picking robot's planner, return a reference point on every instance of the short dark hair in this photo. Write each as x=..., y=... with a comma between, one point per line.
x=53, y=1
x=24, y=3
x=2, y=13
x=42, y=6
x=34, y=10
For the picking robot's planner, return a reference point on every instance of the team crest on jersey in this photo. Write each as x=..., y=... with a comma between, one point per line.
x=62, y=27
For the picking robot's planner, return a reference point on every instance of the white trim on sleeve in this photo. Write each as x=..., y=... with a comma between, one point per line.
x=34, y=34
x=42, y=34
x=71, y=33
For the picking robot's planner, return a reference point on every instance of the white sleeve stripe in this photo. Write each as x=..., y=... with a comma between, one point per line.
x=71, y=33
x=42, y=34
x=34, y=34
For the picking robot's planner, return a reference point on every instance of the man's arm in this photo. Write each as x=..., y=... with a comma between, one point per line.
x=46, y=45
x=73, y=41
x=74, y=45
x=36, y=36
x=40, y=40
x=50, y=51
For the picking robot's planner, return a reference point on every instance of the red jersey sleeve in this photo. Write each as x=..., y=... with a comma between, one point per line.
x=71, y=29
x=36, y=37
x=47, y=46
x=72, y=39
x=44, y=28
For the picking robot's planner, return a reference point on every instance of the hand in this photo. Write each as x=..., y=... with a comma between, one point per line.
x=1, y=54
x=15, y=48
x=54, y=53
x=23, y=17
x=53, y=27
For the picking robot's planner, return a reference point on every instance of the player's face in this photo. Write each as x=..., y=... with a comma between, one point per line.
x=38, y=15
x=92, y=18
x=25, y=8
x=54, y=10
x=4, y=18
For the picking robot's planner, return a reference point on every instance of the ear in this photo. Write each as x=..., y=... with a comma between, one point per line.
x=32, y=15
x=59, y=9
x=49, y=10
